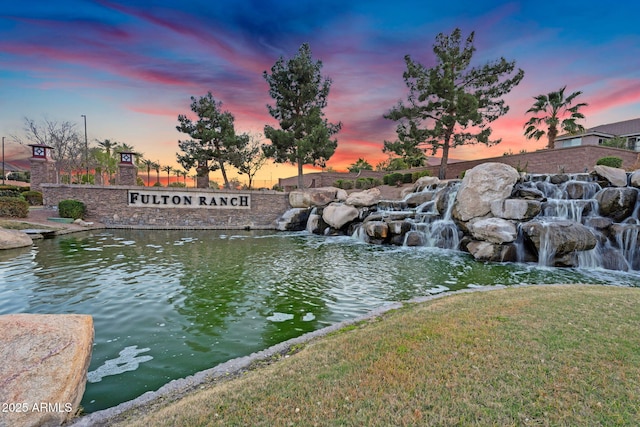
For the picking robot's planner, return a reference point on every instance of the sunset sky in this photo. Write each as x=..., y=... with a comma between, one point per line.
x=132, y=66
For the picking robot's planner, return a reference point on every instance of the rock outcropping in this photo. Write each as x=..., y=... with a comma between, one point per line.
x=11, y=239
x=498, y=214
x=45, y=358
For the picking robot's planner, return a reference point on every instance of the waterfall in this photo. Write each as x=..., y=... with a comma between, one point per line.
x=438, y=228
x=627, y=239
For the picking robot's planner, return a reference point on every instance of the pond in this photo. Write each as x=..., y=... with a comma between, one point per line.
x=167, y=304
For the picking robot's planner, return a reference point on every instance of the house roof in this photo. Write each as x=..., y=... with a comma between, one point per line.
x=624, y=128
x=627, y=127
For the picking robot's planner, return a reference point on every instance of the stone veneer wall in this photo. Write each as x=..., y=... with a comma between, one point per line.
x=109, y=205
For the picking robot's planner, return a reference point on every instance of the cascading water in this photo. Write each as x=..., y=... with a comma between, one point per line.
x=575, y=200
x=438, y=228
x=553, y=220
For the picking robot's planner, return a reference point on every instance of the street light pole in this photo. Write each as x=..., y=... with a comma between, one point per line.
x=86, y=147
x=3, y=160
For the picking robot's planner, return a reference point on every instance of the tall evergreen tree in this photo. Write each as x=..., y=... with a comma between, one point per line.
x=451, y=103
x=300, y=94
x=214, y=142
x=554, y=112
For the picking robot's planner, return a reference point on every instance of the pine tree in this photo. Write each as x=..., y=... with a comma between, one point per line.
x=300, y=94
x=451, y=104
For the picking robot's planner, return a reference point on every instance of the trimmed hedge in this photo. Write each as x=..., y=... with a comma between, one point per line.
x=34, y=198
x=9, y=191
x=395, y=178
x=614, y=162
x=13, y=207
x=71, y=209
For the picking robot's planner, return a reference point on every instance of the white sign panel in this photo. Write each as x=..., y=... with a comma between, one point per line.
x=184, y=199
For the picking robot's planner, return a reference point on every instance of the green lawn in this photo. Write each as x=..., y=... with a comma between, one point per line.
x=543, y=355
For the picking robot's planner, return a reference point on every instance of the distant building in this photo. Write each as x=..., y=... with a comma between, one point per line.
x=628, y=129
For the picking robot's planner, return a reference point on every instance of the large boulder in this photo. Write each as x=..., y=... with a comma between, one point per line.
x=368, y=197
x=377, y=229
x=617, y=203
x=45, y=358
x=635, y=179
x=313, y=197
x=338, y=214
x=581, y=189
x=315, y=223
x=616, y=176
x=493, y=230
x=481, y=186
x=416, y=199
x=557, y=238
x=425, y=182
x=399, y=227
x=486, y=251
x=11, y=239
x=294, y=219
x=414, y=238
x=520, y=209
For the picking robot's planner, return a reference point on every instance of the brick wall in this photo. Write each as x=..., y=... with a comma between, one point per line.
x=569, y=160
x=109, y=205
x=325, y=179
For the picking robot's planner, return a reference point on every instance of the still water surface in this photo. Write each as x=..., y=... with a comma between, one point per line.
x=167, y=304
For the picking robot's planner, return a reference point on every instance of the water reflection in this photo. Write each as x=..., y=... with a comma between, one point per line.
x=192, y=299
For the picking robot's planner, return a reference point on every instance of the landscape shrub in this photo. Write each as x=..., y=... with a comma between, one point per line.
x=363, y=184
x=347, y=184
x=407, y=178
x=9, y=191
x=374, y=181
x=15, y=207
x=71, y=209
x=614, y=162
x=34, y=198
x=393, y=179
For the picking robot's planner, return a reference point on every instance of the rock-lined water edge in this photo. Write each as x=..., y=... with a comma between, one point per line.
x=495, y=213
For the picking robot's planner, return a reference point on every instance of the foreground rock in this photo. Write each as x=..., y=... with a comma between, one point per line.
x=294, y=219
x=315, y=197
x=616, y=176
x=339, y=214
x=11, y=239
x=45, y=358
x=553, y=240
x=483, y=185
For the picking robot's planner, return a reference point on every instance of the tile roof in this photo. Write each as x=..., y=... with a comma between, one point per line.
x=626, y=127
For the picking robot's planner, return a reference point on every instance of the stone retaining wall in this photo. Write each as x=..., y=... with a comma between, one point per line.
x=110, y=205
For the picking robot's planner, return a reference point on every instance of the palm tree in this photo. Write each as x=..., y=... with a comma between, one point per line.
x=554, y=113
x=149, y=164
x=360, y=164
x=108, y=160
x=168, y=170
x=156, y=166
